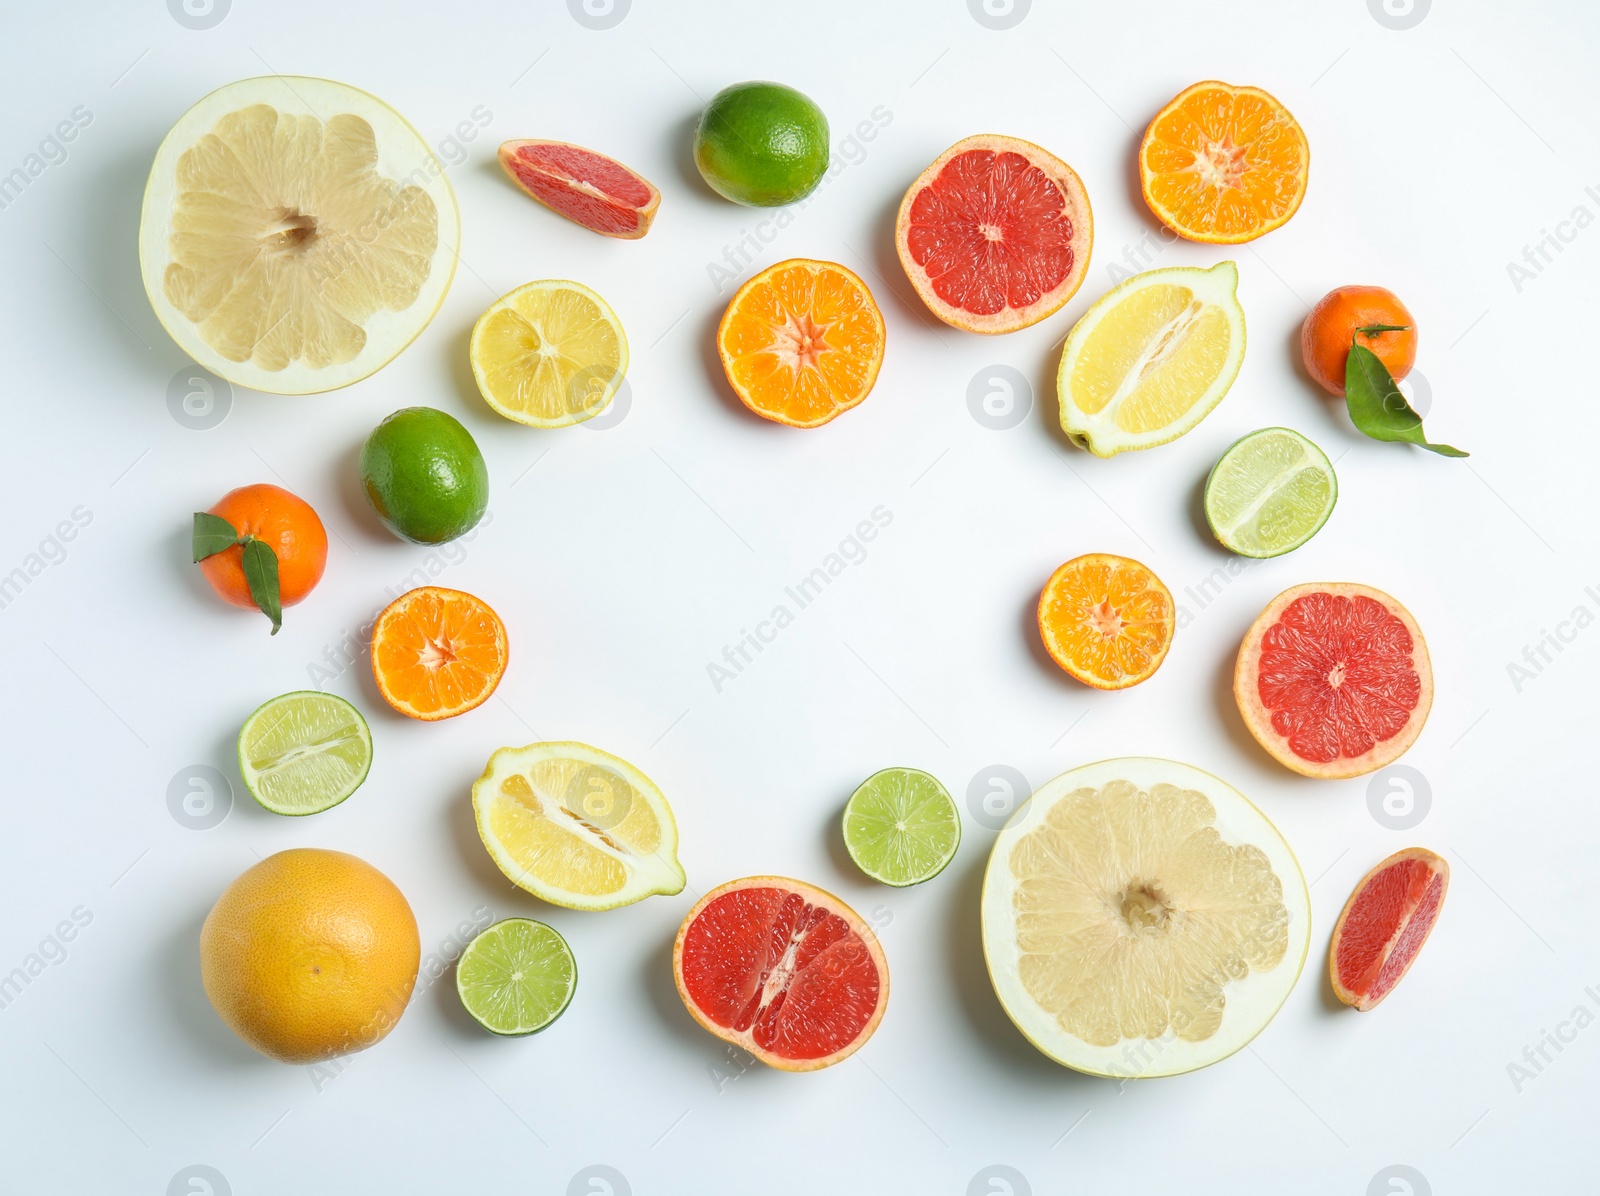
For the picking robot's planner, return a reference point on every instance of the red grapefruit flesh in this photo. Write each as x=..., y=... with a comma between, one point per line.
x=1333, y=679
x=587, y=188
x=784, y=970
x=996, y=234
x=1384, y=924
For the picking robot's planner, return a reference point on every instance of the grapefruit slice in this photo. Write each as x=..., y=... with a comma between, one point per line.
x=1142, y=918
x=1384, y=924
x=996, y=234
x=782, y=969
x=587, y=188
x=296, y=234
x=1333, y=679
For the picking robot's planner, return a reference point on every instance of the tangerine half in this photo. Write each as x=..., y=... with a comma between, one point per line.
x=1107, y=620
x=437, y=653
x=1223, y=164
x=801, y=342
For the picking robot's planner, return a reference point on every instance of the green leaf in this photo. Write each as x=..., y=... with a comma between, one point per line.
x=1378, y=409
x=212, y=534
x=261, y=574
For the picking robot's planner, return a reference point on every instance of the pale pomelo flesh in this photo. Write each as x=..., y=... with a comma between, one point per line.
x=995, y=235
x=782, y=969
x=1333, y=679
x=587, y=188
x=1384, y=924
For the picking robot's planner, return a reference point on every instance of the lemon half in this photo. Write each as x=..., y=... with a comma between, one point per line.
x=577, y=826
x=550, y=354
x=297, y=234
x=1151, y=358
x=1142, y=918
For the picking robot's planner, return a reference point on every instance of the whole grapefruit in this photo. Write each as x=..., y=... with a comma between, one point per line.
x=310, y=954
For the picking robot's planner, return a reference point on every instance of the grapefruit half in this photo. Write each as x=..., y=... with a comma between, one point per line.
x=1384, y=924
x=782, y=969
x=1142, y=918
x=996, y=234
x=1333, y=679
x=587, y=188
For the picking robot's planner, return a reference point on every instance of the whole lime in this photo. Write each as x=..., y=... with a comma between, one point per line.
x=424, y=476
x=761, y=144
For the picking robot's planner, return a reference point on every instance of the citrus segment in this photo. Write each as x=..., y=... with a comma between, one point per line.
x=1384, y=924
x=783, y=969
x=901, y=826
x=587, y=188
x=1151, y=358
x=549, y=354
x=995, y=235
x=801, y=342
x=1269, y=493
x=310, y=954
x=304, y=752
x=1107, y=620
x=516, y=977
x=296, y=234
x=1223, y=164
x=577, y=826
x=437, y=653
x=1142, y=918
x=1333, y=679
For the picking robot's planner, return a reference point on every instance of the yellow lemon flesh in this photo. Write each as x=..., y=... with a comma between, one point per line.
x=549, y=354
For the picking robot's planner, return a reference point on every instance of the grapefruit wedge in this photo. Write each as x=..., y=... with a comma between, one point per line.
x=782, y=969
x=587, y=188
x=996, y=234
x=1333, y=679
x=1384, y=924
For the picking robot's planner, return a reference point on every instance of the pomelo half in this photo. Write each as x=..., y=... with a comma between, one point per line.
x=1384, y=924
x=1333, y=679
x=996, y=234
x=782, y=969
x=1142, y=918
x=587, y=188
x=296, y=235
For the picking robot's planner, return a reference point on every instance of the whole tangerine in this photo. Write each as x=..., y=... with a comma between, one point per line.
x=1331, y=328
x=287, y=525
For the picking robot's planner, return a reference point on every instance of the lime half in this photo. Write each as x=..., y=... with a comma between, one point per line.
x=516, y=977
x=901, y=827
x=304, y=752
x=1270, y=493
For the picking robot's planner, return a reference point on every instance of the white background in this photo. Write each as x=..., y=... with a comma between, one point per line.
x=623, y=560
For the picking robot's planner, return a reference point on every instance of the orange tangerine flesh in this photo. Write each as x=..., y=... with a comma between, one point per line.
x=801, y=342
x=1223, y=164
x=437, y=653
x=1107, y=620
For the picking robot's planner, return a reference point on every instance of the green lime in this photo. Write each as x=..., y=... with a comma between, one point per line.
x=516, y=977
x=901, y=827
x=761, y=144
x=1270, y=493
x=424, y=476
x=304, y=752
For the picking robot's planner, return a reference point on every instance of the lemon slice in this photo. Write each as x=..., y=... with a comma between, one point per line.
x=1142, y=918
x=549, y=354
x=1148, y=361
x=577, y=826
x=296, y=235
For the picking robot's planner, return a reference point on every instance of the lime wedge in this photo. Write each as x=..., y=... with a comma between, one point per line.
x=304, y=752
x=516, y=977
x=1270, y=493
x=901, y=827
